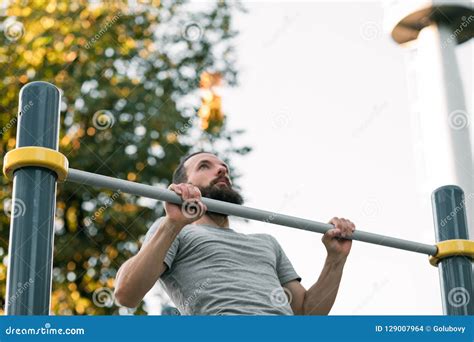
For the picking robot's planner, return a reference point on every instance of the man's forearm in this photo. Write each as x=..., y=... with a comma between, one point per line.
x=138, y=274
x=320, y=298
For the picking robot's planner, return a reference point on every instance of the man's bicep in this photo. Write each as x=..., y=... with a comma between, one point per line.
x=296, y=293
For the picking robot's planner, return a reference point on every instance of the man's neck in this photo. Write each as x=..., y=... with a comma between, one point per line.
x=215, y=220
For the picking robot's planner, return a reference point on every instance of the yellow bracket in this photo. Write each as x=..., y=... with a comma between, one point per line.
x=35, y=156
x=451, y=248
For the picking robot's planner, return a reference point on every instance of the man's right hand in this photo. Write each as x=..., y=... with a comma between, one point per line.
x=190, y=210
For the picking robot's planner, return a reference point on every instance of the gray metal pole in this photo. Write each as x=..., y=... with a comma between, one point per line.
x=33, y=206
x=456, y=272
x=92, y=179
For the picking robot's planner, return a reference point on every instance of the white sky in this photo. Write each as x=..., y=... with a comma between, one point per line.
x=323, y=99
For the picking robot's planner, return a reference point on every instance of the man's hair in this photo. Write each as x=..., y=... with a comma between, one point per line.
x=180, y=175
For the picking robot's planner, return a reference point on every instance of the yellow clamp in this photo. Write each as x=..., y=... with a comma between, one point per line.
x=35, y=156
x=451, y=248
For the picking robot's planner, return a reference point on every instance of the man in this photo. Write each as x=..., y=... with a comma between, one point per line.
x=209, y=269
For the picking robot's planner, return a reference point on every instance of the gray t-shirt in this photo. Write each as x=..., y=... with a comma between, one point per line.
x=218, y=271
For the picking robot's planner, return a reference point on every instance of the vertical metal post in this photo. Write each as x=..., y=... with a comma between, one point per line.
x=441, y=121
x=33, y=205
x=444, y=119
x=456, y=272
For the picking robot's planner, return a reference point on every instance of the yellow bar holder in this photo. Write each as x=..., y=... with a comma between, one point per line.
x=450, y=248
x=35, y=156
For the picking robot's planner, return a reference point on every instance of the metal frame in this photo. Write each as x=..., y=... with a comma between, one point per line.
x=34, y=185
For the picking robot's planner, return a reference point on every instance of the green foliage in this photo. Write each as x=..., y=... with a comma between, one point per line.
x=130, y=78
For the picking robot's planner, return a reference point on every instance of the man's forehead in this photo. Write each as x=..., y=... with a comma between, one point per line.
x=201, y=156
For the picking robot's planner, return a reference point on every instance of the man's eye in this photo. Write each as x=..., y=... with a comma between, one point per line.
x=203, y=165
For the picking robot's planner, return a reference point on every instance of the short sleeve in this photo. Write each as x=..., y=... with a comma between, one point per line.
x=171, y=254
x=284, y=268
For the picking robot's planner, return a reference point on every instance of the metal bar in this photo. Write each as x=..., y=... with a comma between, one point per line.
x=92, y=179
x=33, y=206
x=444, y=129
x=456, y=272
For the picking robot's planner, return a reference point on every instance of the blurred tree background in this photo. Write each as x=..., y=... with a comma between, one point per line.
x=140, y=89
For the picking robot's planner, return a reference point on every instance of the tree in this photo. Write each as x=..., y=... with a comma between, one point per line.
x=130, y=81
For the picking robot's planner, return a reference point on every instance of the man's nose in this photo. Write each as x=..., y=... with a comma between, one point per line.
x=222, y=171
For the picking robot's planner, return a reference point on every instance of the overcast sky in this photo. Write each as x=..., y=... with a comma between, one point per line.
x=323, y=97
x=324, y=100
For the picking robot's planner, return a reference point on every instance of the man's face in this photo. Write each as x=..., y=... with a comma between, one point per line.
x=211, y=176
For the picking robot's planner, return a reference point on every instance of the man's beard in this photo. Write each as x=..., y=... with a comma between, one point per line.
x=221, y=193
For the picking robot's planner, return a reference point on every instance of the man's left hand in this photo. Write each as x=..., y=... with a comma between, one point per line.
x=334, y=239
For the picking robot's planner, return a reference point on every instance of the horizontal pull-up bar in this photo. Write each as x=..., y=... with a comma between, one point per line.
x=93, y=179
x=41, y=167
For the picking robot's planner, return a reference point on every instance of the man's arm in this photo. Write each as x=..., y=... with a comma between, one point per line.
x=320, y=298
x=139, y=273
